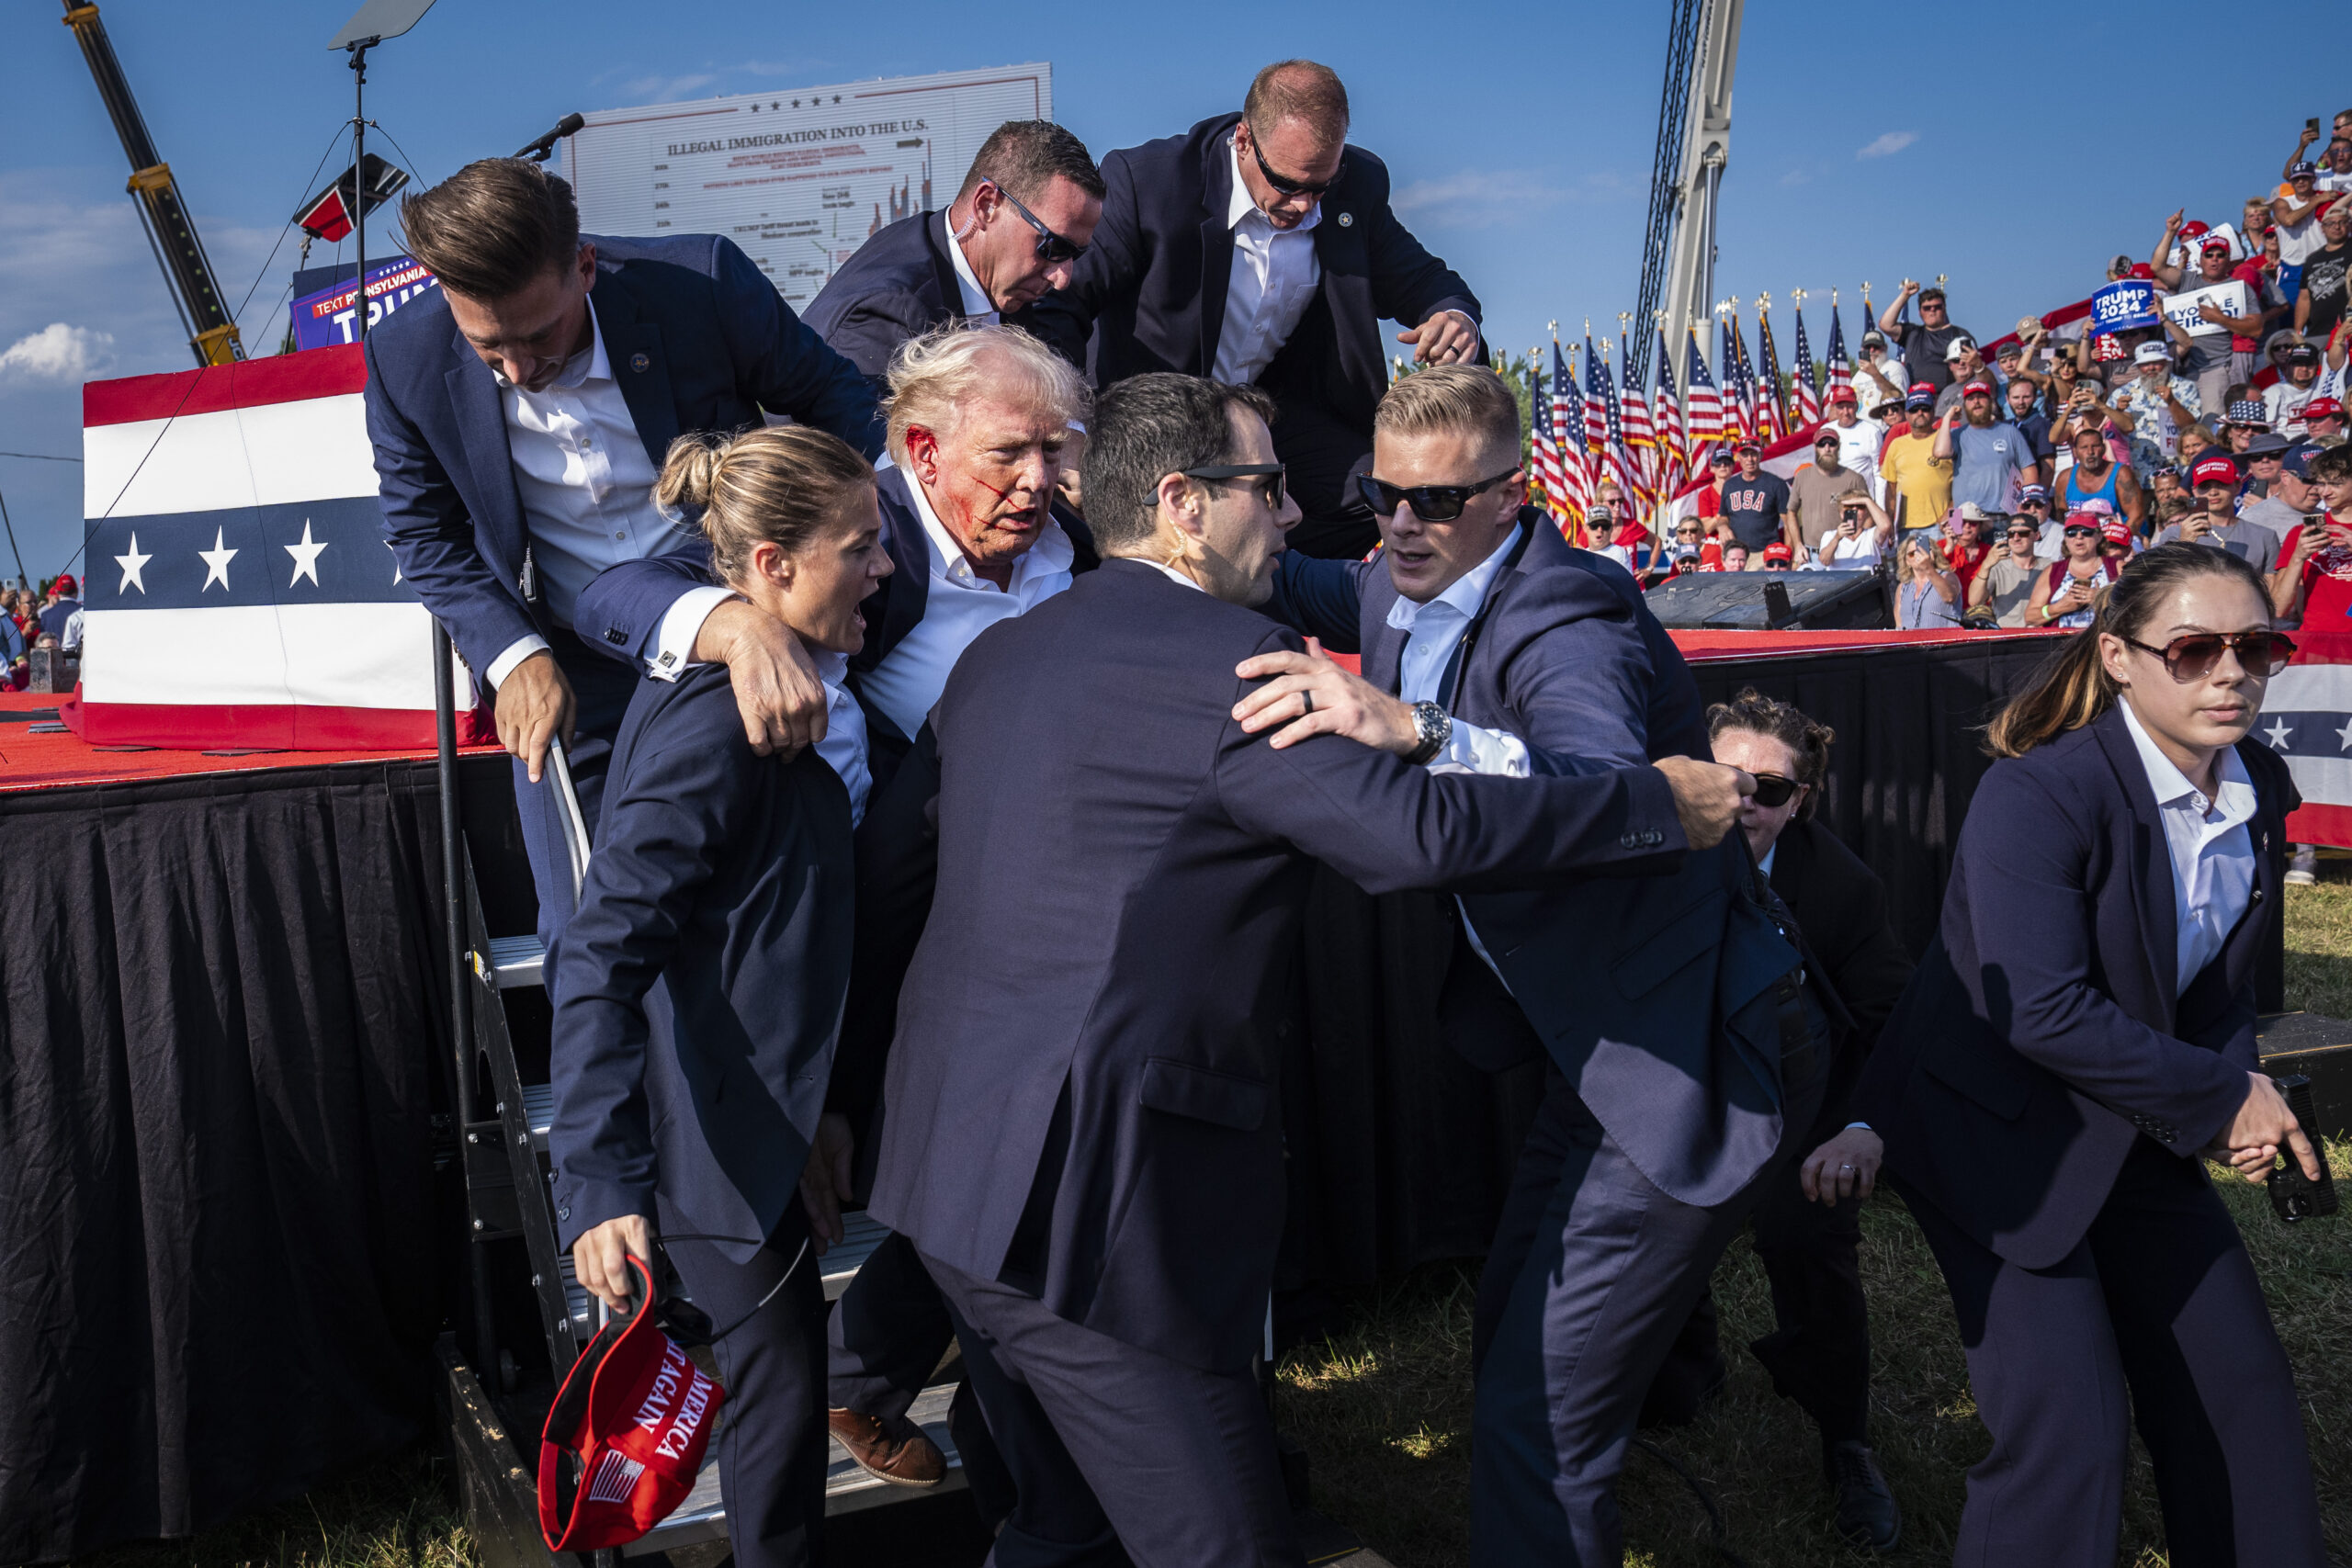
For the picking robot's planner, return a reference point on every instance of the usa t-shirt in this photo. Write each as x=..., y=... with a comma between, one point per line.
x=1753, y=509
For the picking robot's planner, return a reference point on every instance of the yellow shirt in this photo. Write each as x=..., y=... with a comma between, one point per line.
x=1924, y=481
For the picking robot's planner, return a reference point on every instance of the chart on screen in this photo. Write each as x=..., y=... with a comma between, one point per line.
x=799, y=177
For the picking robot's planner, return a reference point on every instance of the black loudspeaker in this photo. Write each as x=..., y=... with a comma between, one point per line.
x=1773, y=601
x=2320, y=1049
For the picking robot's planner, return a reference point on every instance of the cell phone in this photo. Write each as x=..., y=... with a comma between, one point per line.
x=2311, y=125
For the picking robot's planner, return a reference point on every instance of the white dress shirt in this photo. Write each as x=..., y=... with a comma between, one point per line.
x=959, y=605
x=1435, y=630
x=2211, y=853
x=1275, y=279
x=843, y=747
x=978, y=305
x=586, y=484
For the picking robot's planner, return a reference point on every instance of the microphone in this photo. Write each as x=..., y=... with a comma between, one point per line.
x=540, y=151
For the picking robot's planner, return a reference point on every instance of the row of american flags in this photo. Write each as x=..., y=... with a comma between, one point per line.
x=1654, y=442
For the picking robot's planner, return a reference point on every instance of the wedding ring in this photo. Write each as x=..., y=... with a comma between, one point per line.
x=1306, y=703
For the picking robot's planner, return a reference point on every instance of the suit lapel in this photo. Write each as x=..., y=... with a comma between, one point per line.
x=943, y=268
x=1383, y=645
x=1345, y=264
x=1216, y=245
x=633, y=349
x=2151, y=862
x=482, y=428
x=906, y=591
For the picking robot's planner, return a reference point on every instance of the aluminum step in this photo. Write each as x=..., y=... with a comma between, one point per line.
x=848, y=1488
x=518, y=962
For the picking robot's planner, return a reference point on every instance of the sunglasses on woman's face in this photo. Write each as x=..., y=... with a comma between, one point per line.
x=2192, y=658
x=1775, y=790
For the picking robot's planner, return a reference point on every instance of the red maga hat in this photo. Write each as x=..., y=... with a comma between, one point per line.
x=2214, y=470
x=625, y=1438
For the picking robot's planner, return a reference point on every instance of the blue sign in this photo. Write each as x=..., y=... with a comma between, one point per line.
x=2121, y=307
x=332, y=315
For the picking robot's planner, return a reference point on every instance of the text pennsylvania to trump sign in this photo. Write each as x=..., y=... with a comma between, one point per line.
x=237, y=585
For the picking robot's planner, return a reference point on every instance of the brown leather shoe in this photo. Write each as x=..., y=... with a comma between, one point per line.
x=895, y=1451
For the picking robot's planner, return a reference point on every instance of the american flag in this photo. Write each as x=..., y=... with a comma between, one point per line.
x=1640, y=441
x=1806, y=404
x=1596, y=412
x=2304, y=718
x=1703, y=409
x=1771, y=418
x=1567, y=438
x=1739, y=390
x=1665, y=415
x=1615, y=464
x=1841, y=369
x=1543, y=457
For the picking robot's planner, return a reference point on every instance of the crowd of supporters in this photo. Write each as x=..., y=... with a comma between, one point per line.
x=48, y=617
x=2001, y=484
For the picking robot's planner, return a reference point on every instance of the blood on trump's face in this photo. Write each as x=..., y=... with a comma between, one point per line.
x=991, y=476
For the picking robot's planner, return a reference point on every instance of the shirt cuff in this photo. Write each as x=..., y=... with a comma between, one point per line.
x=522, y=647
x=1471, y=750
x=1861, y=1126
x=673, y=648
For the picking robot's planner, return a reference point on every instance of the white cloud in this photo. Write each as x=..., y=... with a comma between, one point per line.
x=1891, y=143
x=667, y=89
x=58, y=352
x=1480, y=198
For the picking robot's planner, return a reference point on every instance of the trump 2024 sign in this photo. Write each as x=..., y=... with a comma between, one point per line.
x=237, y=588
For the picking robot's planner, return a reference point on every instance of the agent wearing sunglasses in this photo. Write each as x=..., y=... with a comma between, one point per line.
x=1260, y=249
x=1521, y=655
x=1026, y=214
x=2078, y=1039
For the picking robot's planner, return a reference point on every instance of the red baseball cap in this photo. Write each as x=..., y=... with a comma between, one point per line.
x=2215, y=243
x=2194, y=226
x=625, y=1438
x=65, y=583
x=1844, y=395
x=1975, y=387
x=2143, y=271
x=2215, y=470
x=2115, y=531
x=2321, y=408
x=1777, y=551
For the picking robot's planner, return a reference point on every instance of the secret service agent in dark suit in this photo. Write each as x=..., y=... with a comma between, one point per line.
x=693, y=338
x=889, y=1328
x=1080, y=1136
x=2068, y=1048
x=1307, y=242
x=696, y=992
x=1027, y=209
x=1665, y=1107
x=1809, y=1225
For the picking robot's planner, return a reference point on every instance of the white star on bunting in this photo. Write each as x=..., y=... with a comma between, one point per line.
x=2345, y=736
x=2277, y=734
x=133, y=564
x=215, y=563
x=306, y=556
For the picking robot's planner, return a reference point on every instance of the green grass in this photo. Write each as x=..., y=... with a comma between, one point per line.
x=1382, y=1406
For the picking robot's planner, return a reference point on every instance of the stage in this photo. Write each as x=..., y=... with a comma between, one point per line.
x=227, y=1168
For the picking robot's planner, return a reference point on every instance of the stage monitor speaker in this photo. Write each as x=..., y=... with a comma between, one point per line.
x=2321, y=1049
x=1773, y=601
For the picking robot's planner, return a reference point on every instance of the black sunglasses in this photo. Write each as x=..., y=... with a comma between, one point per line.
x=1289, y=186
x=1431, y=504
x=2260, y=653
x=1272, y=473
x=1052, y=249
x=1775, y=790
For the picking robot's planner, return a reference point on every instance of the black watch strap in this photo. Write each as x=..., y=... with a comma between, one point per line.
x=1436, y=726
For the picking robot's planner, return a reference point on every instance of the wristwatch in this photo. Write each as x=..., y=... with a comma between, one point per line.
x=1436, y=726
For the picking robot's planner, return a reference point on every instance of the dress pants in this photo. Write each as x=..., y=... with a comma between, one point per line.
x=1119, y=1455
x=601, y=689
x=1593, y=1273
x=771, y=1442
x=2159, y=1299
x=1819, y=1349
x=1323, y=456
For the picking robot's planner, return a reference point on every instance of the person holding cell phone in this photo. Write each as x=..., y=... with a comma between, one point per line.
x=2078, y=1039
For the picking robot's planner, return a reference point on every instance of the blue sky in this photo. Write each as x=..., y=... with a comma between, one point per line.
x=2012, y=146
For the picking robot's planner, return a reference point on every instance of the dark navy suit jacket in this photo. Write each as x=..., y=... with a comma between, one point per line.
x=1151, y=286
x=698, y=990
x=1639, y=988
x=2041, y=1033
x=900, y=284
x=1080, y=1095
x=699, y=339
